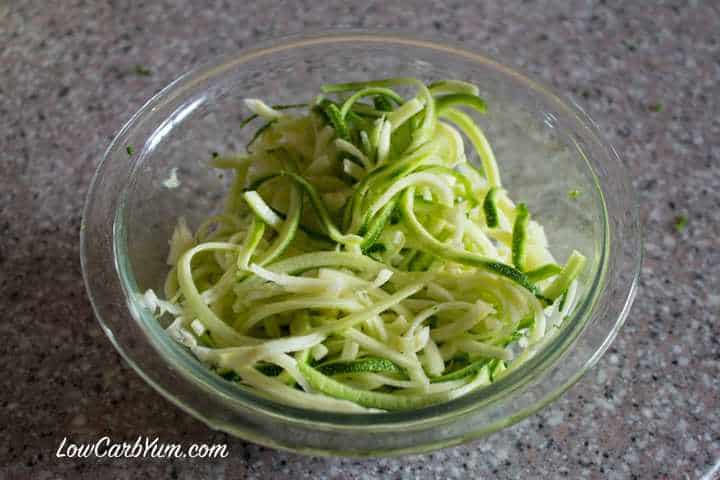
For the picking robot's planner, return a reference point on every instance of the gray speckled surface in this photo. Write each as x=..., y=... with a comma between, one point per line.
x=650, y=409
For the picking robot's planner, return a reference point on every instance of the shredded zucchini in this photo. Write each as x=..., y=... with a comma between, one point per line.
x=361, y=263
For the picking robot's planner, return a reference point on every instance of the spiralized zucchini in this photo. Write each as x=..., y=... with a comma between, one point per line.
x=362, y=263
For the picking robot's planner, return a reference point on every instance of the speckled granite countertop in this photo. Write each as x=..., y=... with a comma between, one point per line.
x=649, y=71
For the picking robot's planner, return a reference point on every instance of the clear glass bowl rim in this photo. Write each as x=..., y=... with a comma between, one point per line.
x=209, y=382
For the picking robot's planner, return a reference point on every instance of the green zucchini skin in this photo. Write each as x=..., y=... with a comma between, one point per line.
x=490, y=208
x=519, y=236
x=364, y=365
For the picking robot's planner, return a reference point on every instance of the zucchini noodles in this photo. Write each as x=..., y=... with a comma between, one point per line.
x=362, y=262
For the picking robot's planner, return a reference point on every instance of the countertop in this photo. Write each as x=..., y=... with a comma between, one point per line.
x=648, y=71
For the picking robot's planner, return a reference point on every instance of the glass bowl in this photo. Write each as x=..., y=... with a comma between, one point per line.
x=545, y=147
